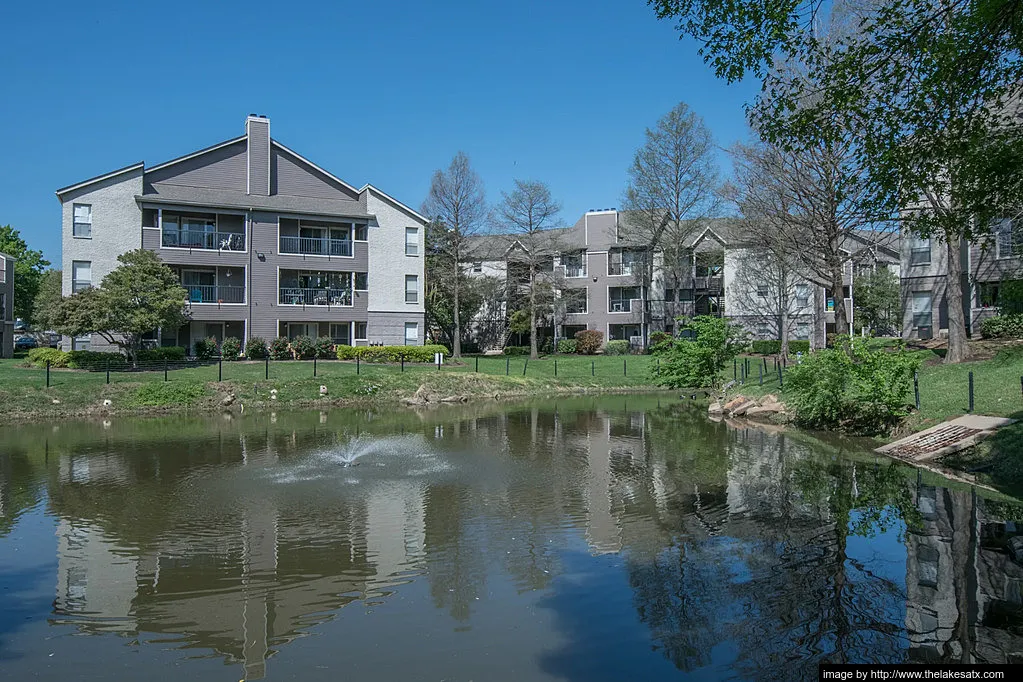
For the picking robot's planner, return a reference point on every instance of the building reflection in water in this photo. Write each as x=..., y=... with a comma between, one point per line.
x=233, y=542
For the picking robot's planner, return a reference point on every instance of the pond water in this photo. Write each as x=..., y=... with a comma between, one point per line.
x=585, y=539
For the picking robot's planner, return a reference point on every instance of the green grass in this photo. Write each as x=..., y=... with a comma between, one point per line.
x=23, y=389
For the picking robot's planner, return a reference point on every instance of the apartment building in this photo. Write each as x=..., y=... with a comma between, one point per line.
x=986, y=264
x=266, y=244
x=6, y=306
x=599, y=275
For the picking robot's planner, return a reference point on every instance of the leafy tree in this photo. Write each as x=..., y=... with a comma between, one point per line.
x=46, y=307
x=29, y=266
x=530, y=212
x=705, y=346
x=140, y=295
x=877, y=302
x=457, y=204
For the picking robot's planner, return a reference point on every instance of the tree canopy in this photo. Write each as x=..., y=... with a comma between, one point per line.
x=29, y=266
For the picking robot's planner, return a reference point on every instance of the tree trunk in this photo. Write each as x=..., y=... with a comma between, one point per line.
x=456, y=337
x=838, y=296
x=819, y=337
x=958, y=348
x=783, y=315
x=533, y=355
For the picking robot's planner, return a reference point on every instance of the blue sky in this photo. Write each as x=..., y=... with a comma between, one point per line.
x=559, y=91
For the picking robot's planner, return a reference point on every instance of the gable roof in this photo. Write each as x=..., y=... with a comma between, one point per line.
x=194, y=154
x=275, y=143
x=387, y=197
x=100, y=178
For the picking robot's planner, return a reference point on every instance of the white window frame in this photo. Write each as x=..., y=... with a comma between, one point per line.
x=586, y=300
x=1003, y=230
x=415, y=326
x=414, y=251
x=630, y=300
x=76, y=282
x=763, y=290
x=414, y=292
x=355, y=331
x=340, y=325
x=477, y=266
x=75, y=222
x=77, y=342
x=355, y=281
x=915, y=246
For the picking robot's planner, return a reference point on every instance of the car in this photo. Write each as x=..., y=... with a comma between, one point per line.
x=20, y=326
x=25, y=342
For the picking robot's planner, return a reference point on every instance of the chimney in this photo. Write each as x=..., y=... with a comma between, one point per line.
x=257, y=130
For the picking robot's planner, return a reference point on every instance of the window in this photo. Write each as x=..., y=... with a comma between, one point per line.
x=802, y=331
x=575, y=300
x=83, y=221
x=622, y=332
x=762, y=290
x=619, y=299
x=411, y=333
x=987, y=294
x=574, y=264
x=921, y=309
x=623, y=262
x=81, y=275
x=763, y=330
x=341, y=333
x=411, y=241
x=802, y=295
x=477, y=267
x=81, y=342
x=1008, y=239
x=919, y=251
x=361, y=233
x=361, y=331
x=412, y=288
x=362, y=281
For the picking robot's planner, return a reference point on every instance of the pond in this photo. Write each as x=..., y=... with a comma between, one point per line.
x=585, y=539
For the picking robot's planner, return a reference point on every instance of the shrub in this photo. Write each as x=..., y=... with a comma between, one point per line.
x=852, y=386
x=660, y=342
x=566, y=345
x=160, y=394
x=1002, y=327
x=231, y=348
x=206, y=348
x=697, y=358
x=302, y=347
x=323, y=347
x=255, y=348
x=619, y=347
x=516, y=350
x=588, y=341
x=767, y=347
x=799, y=346
x=93, y=359
x=150, y=356
x=280, y=349
x=391, y=353
x=55, y=356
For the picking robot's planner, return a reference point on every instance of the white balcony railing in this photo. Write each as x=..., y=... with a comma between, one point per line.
x=315, y=246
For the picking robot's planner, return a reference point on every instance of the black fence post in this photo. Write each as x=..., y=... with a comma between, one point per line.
x=735, y=370
x=165, y=369
x=916, y=389
x=47, y=374
x=314, y=365
x=478, y=364
x=625, y=368
x=524, y=366
x=555, y=367
x=507, y=364
x=761, y=372
x=108, y=370
x=971, y=392
x=358, y=364
x=266, y=372
x=781, y=381
x=593, y=368
x=1021, y=386
x=402, y=362
x=765, y=363
x=220, y=368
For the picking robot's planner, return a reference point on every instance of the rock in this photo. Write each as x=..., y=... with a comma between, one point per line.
x=55, y=401
x=323, y=390
x=735, y=402
x=764, y=411
x=738, y=405
x=767, y=399
x=227, y=399
x=455, y=399
x=1015, y=546
x=715, y=408
x=107, y=403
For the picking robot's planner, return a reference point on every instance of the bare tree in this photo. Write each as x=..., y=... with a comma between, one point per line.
x=803, y=204
x=673, y=182
x=768, y=293
x=529, y=212
x=457, y=204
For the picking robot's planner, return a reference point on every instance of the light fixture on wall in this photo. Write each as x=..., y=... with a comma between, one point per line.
x=260, y=255
x=594, y=278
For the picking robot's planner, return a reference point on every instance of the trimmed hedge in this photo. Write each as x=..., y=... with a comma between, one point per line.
x=566, y=345
x=999, y=327
x=302, y=347
x=773, y=347
x=390, y=353
x=255, y=348
x=231, y=348
x=516, y=350
x=588, y=341
x=92, y=359
x=619, y=347
x=280, y=349
x=55, y=356
x=323, y=347
x=168, y=353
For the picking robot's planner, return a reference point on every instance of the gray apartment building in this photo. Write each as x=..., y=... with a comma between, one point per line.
x=986, y=264
x=266, y=244
x=598, y=273
x=6, y=306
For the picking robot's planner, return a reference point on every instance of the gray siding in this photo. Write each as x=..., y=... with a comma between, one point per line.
x=259, y=156
x=222, y=168
x=389, y=328
x=291, y=176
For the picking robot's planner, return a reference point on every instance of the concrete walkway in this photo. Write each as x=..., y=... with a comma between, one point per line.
x=945, y=438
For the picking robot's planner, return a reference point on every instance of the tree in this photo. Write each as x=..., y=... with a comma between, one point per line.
x=699, y=355
x=529, y=212
x=931, y=90
x=46, y=307
x=140, y=296
x=877, y=300
x=672, y=185
x=457, y=204
x=766, y=291
x=28, y=270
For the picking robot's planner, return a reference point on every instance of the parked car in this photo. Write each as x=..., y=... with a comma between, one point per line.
x=20, y=326
x=51, y=339
x=25, y=342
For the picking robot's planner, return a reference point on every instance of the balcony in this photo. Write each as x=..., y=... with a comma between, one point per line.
x=315, y=297
x=315, y=246
x=213, y=293
x=615, y=269
x=712, y=284
x=209, y=241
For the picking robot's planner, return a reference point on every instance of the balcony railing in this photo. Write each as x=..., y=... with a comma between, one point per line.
x=316, y=246
x=575, y=271
x=712, y=284
x=620, y=306
x=325, y=297
x=197, y=239
x=210, y=293
x=620, y=268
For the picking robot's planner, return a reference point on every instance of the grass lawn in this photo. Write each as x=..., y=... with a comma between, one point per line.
x=24, y=394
